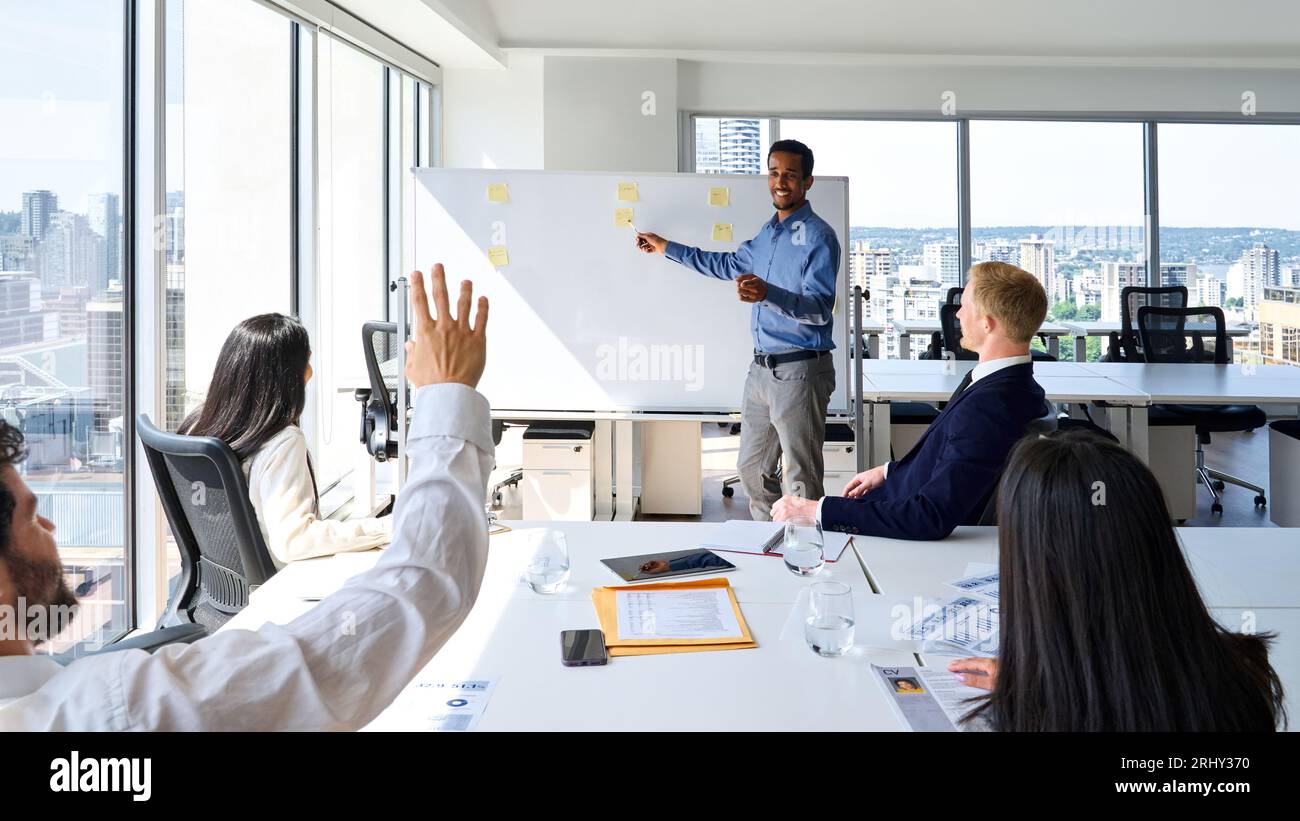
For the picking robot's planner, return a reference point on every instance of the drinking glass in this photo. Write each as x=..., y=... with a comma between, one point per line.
x=829, y=625
x=548, y=564
x=803, y=552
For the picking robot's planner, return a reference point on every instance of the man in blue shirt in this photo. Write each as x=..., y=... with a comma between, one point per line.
x=788, y=273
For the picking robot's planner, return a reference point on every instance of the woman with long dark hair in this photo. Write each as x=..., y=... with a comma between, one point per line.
x=1102, y=626
x=254, y=404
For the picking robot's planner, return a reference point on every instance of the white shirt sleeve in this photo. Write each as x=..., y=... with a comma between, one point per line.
x=339, y=665
x=286, y=507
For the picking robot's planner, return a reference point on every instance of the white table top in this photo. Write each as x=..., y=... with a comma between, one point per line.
x=1205, y=383
x=1079, y=328
x=927, y=326
x=1233, y=566
x=512, y=636
x=937, y=386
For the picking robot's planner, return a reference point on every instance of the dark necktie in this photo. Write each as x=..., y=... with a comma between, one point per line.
x=965, y=382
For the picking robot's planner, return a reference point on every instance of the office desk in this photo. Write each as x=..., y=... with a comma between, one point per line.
x=934, y=381
x=924, y=327
x=1083, y=330
x=512, y=636
x=872, y=330
x=1233, y=566
x=1206, y=384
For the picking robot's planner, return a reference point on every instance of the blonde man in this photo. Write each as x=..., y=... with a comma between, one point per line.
x=946, y=479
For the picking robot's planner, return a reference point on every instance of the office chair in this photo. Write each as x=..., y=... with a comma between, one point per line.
x=379, y=403
x=1165, y=337
x=1126, y=345
x=205, y=496
x=950, y=328
x=149, y=642
x=953, y=297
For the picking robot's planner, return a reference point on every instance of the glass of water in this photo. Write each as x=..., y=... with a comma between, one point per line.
x=803, y=551
x=548, y=563
x=829, y=625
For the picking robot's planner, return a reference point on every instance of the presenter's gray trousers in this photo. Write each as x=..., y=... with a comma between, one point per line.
x=784, y=413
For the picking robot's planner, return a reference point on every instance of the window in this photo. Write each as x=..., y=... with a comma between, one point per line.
x=725, y=145
x=62, y=290
x=352, y=244
x=1228, y=215
x=1064, y=201
x=902, y=213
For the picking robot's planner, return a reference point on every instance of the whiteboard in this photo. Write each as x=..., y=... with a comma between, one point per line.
x=583, y=321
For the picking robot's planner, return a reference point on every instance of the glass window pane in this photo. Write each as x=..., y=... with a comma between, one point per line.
x=61, y=292
x=726, y=145
x=351, y=244
x=1229, y=219
x=1064, y=201
x=902, y=212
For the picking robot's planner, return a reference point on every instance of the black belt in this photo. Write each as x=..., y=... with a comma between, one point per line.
x=771, y=360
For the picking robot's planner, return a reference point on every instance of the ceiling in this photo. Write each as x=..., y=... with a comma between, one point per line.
x=475, y=32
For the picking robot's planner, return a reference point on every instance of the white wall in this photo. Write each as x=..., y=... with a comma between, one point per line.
x=757, y=88
x=584, y=112
x=610, y=114
x=494, y=116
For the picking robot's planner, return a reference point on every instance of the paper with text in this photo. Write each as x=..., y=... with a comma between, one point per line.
x=676, y=614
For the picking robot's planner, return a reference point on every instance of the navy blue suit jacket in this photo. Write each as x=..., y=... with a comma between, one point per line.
x=945, y=479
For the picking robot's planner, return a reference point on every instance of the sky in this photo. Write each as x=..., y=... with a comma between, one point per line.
x=60, y=128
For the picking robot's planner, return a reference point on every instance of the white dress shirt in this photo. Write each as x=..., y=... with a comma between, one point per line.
x=977, y=373
x=333, y=668
x=280, y=487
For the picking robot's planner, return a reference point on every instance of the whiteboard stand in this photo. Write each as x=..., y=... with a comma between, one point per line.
x=602, y=443
x=626, y=498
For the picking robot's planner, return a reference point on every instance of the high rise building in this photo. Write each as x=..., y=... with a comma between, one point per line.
x=906, y=295
x=1087, y=289
x=1116, y=276
x=38, y=208
x=866, y=262
x=16, y=253
x=21, y=320
x=944, y=259
x=997, y=250
x=174, y=410
x=727, y=146
x=1210, y=290
x=71, y=253
x=104, y=214
x=1279, y=326
x=175, y=227
x=1259, y=270
x=1038, y=257
x=104, y=365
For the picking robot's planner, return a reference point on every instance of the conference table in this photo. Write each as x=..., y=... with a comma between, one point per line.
x=934, y=381
x=907, y=328
x=511, y=636
x=1082, y=330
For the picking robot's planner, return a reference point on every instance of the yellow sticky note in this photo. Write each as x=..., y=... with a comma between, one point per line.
x=622, y=217
x=722, y=232
x=498, y=192
x=498, y=257
x=627, y=192
x=720, y=195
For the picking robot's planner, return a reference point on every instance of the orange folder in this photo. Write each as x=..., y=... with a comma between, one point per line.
x=605, y=600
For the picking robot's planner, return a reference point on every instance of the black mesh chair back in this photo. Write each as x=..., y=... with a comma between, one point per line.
x=1183, y=334
x=950, y=329
x=379, y=344
x=205, y=496
x=1126, y=346
x=954, y=296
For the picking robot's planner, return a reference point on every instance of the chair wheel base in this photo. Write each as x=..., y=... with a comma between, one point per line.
x=1260, y=501
x=1218, y=485
x=728, y=492
x=1216, y=508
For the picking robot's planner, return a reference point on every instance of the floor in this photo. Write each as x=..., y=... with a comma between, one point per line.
x=1242, y=454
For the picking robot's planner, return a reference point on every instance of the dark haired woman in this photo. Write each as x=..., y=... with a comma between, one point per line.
x=1102, y=625
x=254, y=405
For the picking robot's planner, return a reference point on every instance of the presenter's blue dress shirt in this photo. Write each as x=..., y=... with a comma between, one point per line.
x=799, y=257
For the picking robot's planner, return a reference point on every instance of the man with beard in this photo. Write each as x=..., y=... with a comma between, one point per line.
x=309, y=674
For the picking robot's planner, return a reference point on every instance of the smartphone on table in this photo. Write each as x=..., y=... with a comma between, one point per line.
x=582, y=648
